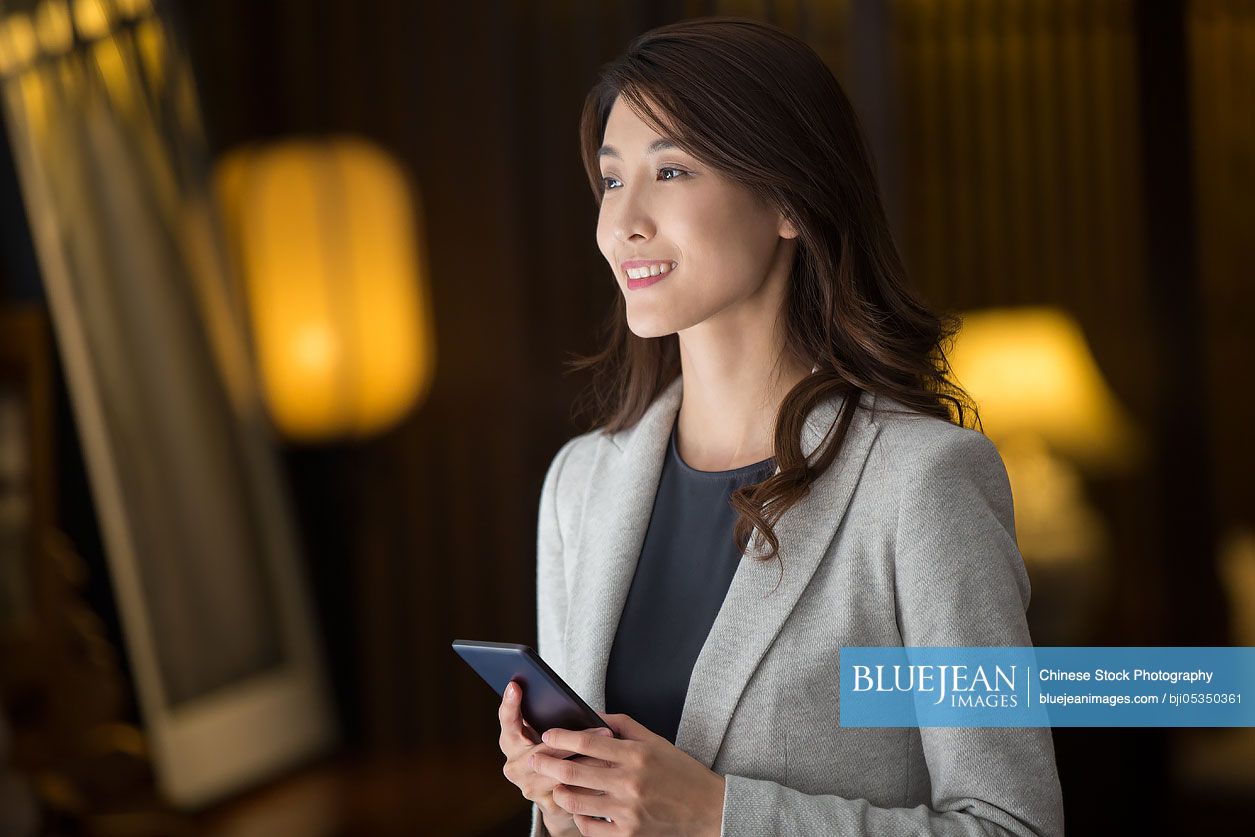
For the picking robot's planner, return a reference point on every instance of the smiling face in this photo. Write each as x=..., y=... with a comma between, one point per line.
x=721, y=249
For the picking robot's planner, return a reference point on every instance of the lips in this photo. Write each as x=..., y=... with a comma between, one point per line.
x=645, y=282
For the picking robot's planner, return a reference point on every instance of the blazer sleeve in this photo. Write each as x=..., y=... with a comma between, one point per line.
x=959, y=581
x=551, y=592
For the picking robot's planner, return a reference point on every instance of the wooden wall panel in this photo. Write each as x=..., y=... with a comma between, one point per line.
x=1009, y=143
x=1222, y=47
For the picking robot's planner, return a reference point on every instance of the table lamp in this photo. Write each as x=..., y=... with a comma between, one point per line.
x=1045, y=404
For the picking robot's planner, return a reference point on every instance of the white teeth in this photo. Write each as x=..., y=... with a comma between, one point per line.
x=652, y=270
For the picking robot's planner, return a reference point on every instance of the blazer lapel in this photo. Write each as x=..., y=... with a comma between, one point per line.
x=759, y=598
x=613, y=533
x=616, y=520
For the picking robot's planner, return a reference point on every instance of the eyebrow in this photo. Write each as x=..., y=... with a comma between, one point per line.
x=654, y=147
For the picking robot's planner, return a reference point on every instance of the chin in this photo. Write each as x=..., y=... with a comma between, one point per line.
x=648, y=332
x=649, y=327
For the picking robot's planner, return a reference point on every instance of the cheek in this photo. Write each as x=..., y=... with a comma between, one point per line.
x=605, y=237
x=609, y=249
x=599, y=236
x=739, y=253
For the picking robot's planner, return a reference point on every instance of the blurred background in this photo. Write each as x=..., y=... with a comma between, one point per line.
x=286, y=292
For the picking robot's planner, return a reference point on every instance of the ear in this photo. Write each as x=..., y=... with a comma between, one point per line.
x=787, y=230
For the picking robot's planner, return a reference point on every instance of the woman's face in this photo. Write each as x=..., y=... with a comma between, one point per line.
x=663, y=207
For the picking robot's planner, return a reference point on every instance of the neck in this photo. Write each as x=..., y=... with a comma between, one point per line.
x=732, y=392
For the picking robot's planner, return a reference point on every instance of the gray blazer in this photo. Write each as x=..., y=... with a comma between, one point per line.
x=907, y=539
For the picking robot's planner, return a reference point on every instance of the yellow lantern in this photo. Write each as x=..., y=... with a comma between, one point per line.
x=330, y=247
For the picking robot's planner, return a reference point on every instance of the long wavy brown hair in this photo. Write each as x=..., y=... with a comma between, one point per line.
x=760, y=107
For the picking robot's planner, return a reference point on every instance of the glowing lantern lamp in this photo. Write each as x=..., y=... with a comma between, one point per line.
x=1031, y=373
x=329, y=242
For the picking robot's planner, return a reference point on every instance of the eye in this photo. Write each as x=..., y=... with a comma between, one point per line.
x=605, y=181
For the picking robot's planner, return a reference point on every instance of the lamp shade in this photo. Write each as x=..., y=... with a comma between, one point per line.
x=329, y=242
x=1031, y=372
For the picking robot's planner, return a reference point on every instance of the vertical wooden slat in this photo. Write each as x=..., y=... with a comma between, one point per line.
x=1023, y=269
x=932, y=152
x=1048, y=116
x=958, y=115
x=1076, y=273
x=1222, y=38
x=989, y=166
x=1103, y=182
x=1181, y=418
x=907, y=71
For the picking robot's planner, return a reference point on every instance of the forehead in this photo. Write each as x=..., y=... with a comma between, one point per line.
x=627, y=134
x=624, y=120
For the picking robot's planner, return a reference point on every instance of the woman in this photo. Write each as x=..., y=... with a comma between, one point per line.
x=770, y=374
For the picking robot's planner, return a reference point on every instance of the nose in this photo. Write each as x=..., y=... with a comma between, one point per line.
x=632, y=218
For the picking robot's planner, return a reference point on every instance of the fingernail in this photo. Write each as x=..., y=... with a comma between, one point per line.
x=511, y=691
x=546, y=736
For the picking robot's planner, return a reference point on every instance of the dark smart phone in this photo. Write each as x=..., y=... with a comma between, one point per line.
x=548, y=702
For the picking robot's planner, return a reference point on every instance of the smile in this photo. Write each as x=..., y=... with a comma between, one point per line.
x=643, y=277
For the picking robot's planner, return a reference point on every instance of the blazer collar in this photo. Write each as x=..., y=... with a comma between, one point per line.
x=759, y=598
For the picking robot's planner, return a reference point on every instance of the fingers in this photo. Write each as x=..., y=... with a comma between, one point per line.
x=517, y=736
x=576, y=790
x=518, y=761
x=513, y=735
x=594, y=826
x=558, y=752
x=534, y=786
x=592, y=761
x=627, y=727
x=519, y=747
x=572, y=772
x=589, y=742
x=539, y=788
x=508, y=712
x=579, y=801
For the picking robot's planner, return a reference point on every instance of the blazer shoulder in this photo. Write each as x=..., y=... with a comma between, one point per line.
x=940, y=473
x=917, y=444
x=576, y=455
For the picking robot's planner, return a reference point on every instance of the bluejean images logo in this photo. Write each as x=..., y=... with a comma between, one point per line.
x=1048, y=686
x=961, y=685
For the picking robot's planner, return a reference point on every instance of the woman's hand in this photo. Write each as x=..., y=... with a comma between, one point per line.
x=647, y=785
x=518, y=742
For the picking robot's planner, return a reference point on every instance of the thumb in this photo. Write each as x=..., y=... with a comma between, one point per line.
x=627, y=727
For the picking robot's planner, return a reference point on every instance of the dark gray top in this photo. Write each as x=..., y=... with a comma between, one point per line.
x=685, y=567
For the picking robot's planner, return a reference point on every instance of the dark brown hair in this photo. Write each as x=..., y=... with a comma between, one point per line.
x=757, y=105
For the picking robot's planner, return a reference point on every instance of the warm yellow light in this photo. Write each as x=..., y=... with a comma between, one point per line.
x=1030, y=372
x=18, y=45
x=116, y=73
x=131, y=9
x=151, y=40
x=53, y=27
x=330, y=244
x=91, y=19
